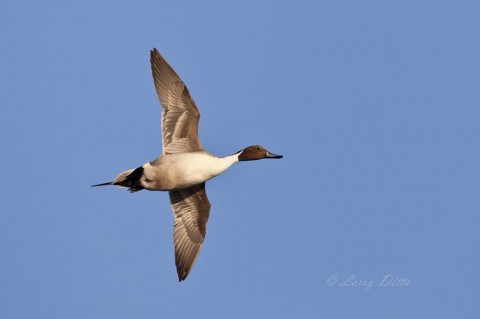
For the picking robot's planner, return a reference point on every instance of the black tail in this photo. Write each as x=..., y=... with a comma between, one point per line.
x=131, y=181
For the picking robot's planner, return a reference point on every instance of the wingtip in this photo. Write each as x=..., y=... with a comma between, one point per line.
x=182, y=277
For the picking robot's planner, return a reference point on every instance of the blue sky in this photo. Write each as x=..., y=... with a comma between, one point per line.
x=374, y=104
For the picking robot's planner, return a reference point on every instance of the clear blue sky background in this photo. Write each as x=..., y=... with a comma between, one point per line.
x=374, y=104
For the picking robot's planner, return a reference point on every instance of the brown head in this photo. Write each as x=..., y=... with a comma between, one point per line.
x=255, y=152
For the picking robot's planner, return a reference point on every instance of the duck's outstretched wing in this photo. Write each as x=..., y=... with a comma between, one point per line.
x=180, y=115
x=191, y=209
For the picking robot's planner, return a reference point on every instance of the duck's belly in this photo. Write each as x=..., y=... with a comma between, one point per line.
x=183, y=170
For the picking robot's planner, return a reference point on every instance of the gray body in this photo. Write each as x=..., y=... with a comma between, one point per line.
x=182, y=170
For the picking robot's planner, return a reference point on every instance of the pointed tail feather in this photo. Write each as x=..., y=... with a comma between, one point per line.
x=129, y=179
x=103, y=184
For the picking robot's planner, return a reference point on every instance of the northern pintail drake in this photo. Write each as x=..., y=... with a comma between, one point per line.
x=184, y=166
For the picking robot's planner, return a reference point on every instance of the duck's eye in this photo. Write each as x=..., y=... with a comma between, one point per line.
x=258, y=148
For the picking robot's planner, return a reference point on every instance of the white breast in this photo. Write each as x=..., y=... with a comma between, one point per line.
x=195, y=168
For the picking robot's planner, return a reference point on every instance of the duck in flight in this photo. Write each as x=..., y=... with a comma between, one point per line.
x=184, y=166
